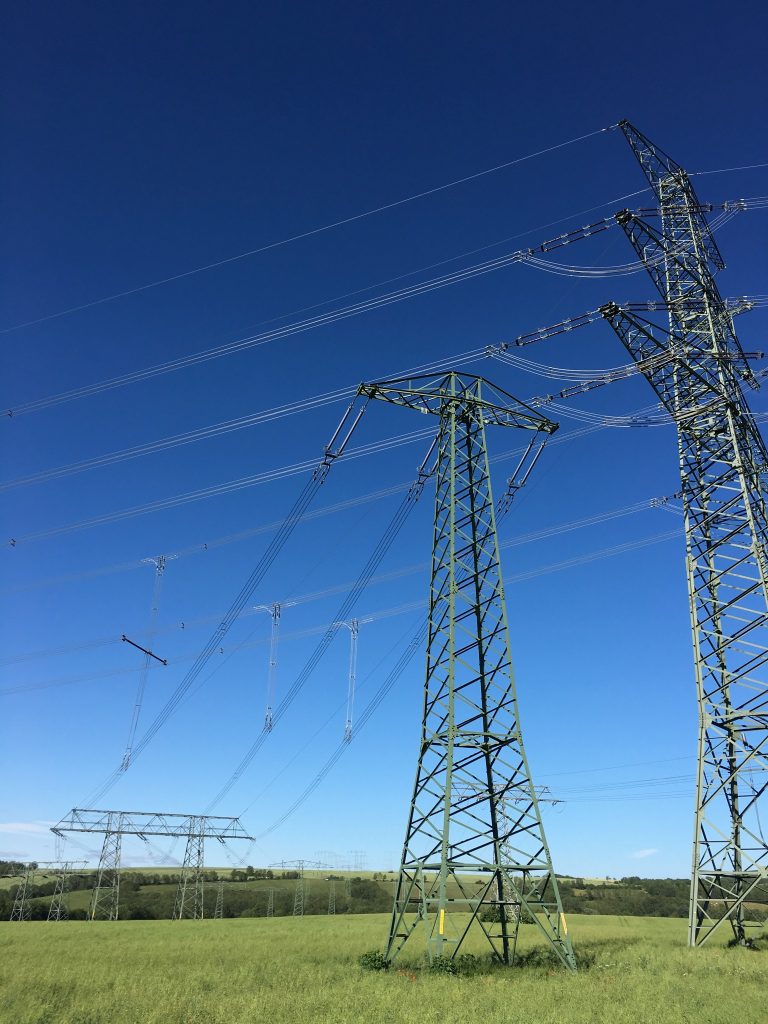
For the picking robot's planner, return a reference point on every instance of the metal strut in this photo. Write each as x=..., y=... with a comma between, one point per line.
x=115, y=824
x=159, y=563
x=471, y=755
x=354, y=632
x=274, y=611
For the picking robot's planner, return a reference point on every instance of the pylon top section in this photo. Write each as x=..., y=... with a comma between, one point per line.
x=671, y=184
x=475, y=397
x=655, y=162
x=150, y=823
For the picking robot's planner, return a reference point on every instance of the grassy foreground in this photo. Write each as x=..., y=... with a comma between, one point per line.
x=305, y=970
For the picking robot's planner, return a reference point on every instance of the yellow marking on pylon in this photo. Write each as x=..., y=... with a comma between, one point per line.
x=563, y=923
x=441, y=926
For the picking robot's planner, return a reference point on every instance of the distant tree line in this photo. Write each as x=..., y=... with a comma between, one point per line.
x=151, y=894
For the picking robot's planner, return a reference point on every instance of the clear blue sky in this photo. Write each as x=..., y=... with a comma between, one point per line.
x=143, y=143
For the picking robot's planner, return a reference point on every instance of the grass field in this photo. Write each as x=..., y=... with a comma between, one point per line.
x=305, y=970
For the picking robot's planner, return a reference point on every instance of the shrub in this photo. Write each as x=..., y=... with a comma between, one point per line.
x=373, y=960
x=443, y=965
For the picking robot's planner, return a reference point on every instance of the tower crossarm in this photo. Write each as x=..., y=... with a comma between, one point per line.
x=677, y=265
x=150, y=823
x=473, y=396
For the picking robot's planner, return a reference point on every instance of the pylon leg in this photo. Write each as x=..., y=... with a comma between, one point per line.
x=298, y=897
x=190, y=893
x=105, y=902
x=58, y=910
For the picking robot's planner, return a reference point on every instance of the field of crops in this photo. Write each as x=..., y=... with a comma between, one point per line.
x=279, y=970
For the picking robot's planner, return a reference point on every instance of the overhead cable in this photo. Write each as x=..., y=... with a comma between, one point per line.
x=584, y=559
x=228, y=487
x=342, y=615
x=392, y=575
x=228, y=426
x=333, y=450
x=309, y=233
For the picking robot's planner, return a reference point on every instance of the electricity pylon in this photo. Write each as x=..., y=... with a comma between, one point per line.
x=471, y=755
x=332, y=899
x=301, y=891
x=696, y=367
x=58, y=909
x=20, y=911
x=115, y=824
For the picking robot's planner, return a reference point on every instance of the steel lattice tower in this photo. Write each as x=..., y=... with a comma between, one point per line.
x=696, y=367
x=20, y=911
x=219, y=911
x=58, y=909
x=115, y=824
x=332, y=899
x=471, y=756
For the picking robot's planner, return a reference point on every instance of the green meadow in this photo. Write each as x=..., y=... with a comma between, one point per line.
x=636, y=970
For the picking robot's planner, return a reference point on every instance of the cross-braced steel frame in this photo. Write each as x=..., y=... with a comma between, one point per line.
x=59, y=908
x=21, y=911
x=301, y=892
x=696, y=367
x=471, y=755
x=115, y=824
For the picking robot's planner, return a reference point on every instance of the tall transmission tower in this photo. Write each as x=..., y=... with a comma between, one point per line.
x=696, y=366
x=20, y=911
x=471, y=753
x=270, y=902
x=301, y=891
x=58, y=909
x=332, y=898
x=116, y=824
x=218, y=913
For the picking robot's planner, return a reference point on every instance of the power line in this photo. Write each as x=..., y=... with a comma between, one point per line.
x=287, y=330
x=333, y=450
x=394, y=574
x=308, y=404
x=406, y=657
x=578, y=560
x=232, y=538
x=344, y=312
x=724, y=170
x=307, y=234
x=228, y=487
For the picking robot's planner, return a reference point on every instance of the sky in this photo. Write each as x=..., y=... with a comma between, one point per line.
x=145, y=142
